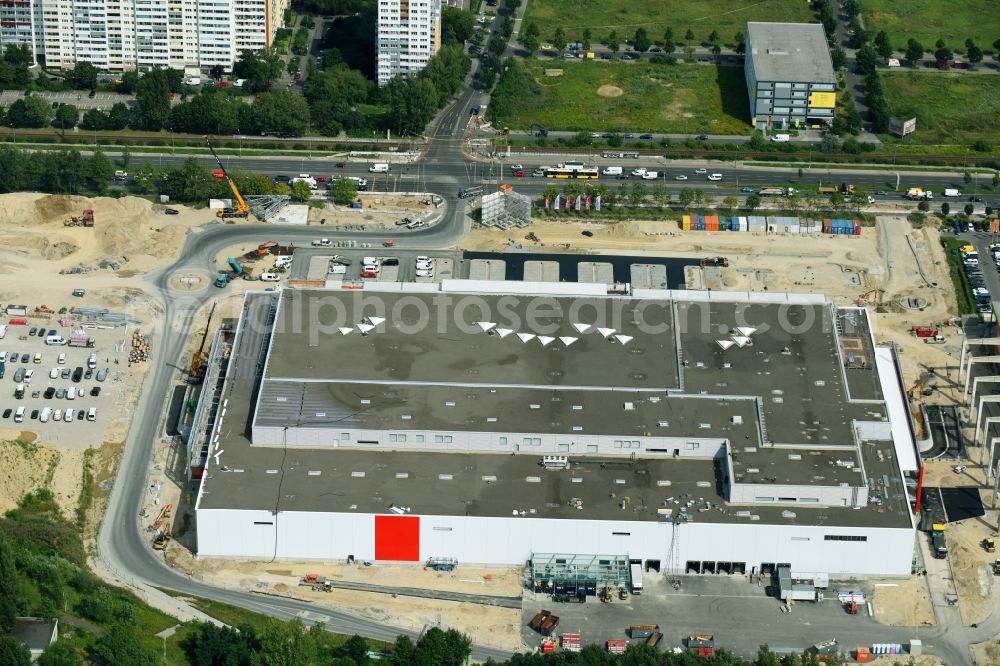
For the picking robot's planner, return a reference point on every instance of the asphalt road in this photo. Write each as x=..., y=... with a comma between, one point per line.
x=125, y=550
x=444, y=170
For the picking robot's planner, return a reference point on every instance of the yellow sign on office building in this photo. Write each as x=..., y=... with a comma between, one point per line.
x=823, y=100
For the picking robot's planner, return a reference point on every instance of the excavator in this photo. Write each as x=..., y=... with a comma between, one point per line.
x=241, y=209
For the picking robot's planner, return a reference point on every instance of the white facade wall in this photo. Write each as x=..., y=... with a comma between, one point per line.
x=17, y=25
x=488, y=442
x=510, y=541
x=409, y=33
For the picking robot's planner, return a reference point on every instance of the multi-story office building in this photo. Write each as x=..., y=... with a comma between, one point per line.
x=119, y=35
x=789, y=73
x=409, y=33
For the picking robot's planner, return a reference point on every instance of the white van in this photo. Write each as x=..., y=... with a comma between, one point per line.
x=3, y=330
x=44, y=416
x=379, y=167
x=71, y=393
x=715, y=176
x=54, y=373
x=55, y=340
x=57, y=415
x=949, y=192
x=68, y=416
x=92, y=414
x=612, y=171
x=281, y=262
x=781, y=138
x=193, y=81
x=269, y=277
x=651, y=175
x=92, y=361
x=19, y=415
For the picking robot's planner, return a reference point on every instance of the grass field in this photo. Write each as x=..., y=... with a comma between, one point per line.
x=683, y=98
x=949, y=108
x=929, y=20
x=602, y=16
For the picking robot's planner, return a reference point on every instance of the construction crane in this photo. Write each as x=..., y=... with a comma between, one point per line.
x=241, y=209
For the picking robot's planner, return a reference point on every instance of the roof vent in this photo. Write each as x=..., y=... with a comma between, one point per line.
x=577, y=408
x=358, y=475
x=489, y=478
x=449, y=403
x=315, y=472
x=445, y=477
x=663, y=424
x=737, y=420
x=577, y=479
x=535, y=405
x=795, y=456
x=533, y=479
x=402, y=475
x=491, y=419
x=365, y=401
x=663, y=483
x=629, y=406
x=787, y=514
x=753, y=470
x=271, y=471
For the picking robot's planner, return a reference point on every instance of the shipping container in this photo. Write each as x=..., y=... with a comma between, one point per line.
x=686, y=222
x=711, y=223
x=857, y=228
x=17, y=321
x=809, y=226
x=616, y=646
x=739, y=224
x=642, y=630
x=571, y=642
x=827, y=226
x=757, y=223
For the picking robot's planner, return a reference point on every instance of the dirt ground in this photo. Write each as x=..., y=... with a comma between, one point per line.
x=971, y=565
x=903, y=603
x=380, y=210
x=39, y=255
x=496, y=626
x=987, y=653
x=906, y=660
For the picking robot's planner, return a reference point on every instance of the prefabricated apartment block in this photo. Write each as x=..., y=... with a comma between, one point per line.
x=487, y=421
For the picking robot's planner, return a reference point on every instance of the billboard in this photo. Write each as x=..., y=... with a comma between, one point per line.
x=902, y=127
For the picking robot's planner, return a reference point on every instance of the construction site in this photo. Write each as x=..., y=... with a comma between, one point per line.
x=899, y=273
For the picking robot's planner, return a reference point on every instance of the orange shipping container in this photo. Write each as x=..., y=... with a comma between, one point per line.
x=711, y=223
x=862, y=655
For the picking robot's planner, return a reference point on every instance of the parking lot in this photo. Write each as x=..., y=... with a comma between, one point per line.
x=735, y=610
x=61, y=379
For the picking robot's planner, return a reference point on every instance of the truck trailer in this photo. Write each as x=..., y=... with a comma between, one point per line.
x=635, y=577
x=919, y=194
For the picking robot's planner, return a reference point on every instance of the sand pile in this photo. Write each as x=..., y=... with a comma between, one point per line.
x=127, y=230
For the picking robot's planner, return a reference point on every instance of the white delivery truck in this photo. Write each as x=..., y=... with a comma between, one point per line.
x=635, y=577
x=612, y=171
x=952, y=193
x=379, y=167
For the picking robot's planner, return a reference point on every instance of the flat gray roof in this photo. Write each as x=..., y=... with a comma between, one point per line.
x=434, y=338
x=453, y=483
x=793, y=52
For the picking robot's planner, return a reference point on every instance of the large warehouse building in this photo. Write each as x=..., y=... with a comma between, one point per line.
x=789, y=74
x=496, y=422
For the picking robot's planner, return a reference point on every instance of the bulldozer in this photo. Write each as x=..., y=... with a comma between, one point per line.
x=607, y=595
x=161, y=541
x=85, y=220
x=989, y=544
x=199, y=361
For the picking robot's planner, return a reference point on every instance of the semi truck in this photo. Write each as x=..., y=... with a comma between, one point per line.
x=919, y=194
x=776, y=191
x=236, y=270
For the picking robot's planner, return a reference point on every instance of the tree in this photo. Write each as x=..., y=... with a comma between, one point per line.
x=612, y=41
x=973, y=52
x=587, y=35
x=152, y=99
x=258, y=68
x=883, y=45
x=29, y=112
x=356, y=649
x=741, y=42
x=640, y=42
x=669, y=44
x=943, y=54
x=638, y=193
x=914, y=51
x=67, y=116
x=699, y=196
x=967, y=177
x=969, y=208
x=689, y=35
x=615, y=140
x=60, y=653
x=530, y=38
x=867, y=59
x=753, y=202
x=119, y=117
x=120, y=644
x=99, y=171
x=559, y=39
x=287, y=644
x=714, y=38
x=344, y=191
x=217, y=71
x=282, y=112
x=945, y=208
x=838, y=56
x=8, y=572
x=996, y=180
x=924, y=206
x=685, y=197
x=457, y=25
x=403, y=650
x=301, y=191
x=13, y=653
x=661, y=194
x=208, y=645
x=189, y=182
x=730, y=202
x=83, y=76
